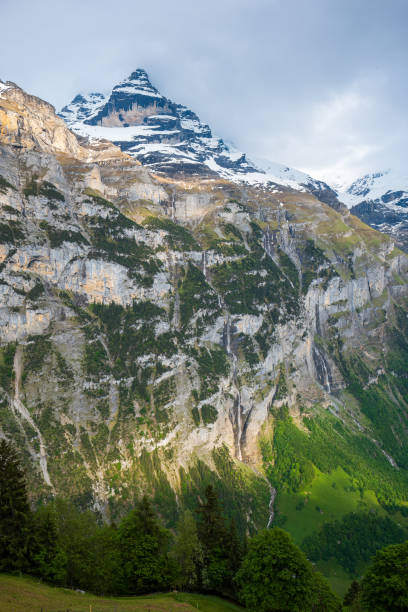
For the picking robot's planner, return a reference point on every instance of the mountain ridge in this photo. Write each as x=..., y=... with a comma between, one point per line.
x=169, y=138
x=380, y=199
x=161, y=332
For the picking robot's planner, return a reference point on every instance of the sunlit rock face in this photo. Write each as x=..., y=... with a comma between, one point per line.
x=161, y=134
x=154, y=327
x=169, y=138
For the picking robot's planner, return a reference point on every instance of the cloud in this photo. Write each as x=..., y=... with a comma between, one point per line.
x=338, y=109
x=313, y=84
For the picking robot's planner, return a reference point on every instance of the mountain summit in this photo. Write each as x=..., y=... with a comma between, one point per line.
x=130, y=102
x=171, y=139
x=380, y=199
x=159, y=133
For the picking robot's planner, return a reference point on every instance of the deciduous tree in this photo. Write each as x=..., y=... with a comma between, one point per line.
x=275, y=575
x=144, y=545
x=385, y=585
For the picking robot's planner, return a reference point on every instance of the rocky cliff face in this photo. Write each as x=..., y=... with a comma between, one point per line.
x=154, y=328
x=27, y=122
x=170, y=139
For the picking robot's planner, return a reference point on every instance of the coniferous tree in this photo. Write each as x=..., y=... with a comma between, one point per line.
x=213, y=535
x=352, y=597
x=50, y=561
x=187, y=553
x=144, y=545
x=15, y=515
x=235, y=549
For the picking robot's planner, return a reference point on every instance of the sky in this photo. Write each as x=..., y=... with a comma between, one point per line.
x=319, y=85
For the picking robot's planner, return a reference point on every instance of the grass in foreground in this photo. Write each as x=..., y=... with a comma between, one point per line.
x=18, y=594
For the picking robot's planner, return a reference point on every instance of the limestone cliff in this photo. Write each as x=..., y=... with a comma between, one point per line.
x=154, y=328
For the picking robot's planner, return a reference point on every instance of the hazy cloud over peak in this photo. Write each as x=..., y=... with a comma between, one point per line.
x=319, y=85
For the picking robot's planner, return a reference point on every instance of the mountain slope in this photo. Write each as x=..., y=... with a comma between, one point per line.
x=381, y=200
x=160, y=333
x=169, y=138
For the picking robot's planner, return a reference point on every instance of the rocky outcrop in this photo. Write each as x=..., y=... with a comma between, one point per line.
x=170, y=139
x=148, y=322
x=27, y=122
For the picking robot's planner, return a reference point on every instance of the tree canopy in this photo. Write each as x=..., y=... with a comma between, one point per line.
x=275, y=575
x=385, y=586
x=144, y=545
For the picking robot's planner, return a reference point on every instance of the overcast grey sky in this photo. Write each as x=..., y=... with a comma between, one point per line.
x=320, y=85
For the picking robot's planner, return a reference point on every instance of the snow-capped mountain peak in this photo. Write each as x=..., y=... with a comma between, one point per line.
x=387, y=186
x=380, y=199
x=82, y=107
x=137, y=83
x=170, y=138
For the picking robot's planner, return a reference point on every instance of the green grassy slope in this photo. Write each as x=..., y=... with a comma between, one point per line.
x=326, y=498
x=324, y=474
x=22, y=594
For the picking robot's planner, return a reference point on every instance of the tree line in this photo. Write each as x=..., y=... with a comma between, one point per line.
x=64, y=546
